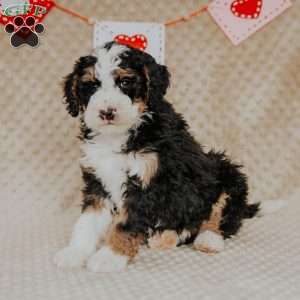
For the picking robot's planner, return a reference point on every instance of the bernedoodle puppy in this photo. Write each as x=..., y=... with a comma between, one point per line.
x=147, y=181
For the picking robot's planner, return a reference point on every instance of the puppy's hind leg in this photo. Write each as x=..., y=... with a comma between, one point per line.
x=167, y=239
x=119, y=249
x=210, y=238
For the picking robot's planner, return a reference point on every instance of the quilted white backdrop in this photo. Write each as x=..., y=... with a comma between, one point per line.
x=243, y=99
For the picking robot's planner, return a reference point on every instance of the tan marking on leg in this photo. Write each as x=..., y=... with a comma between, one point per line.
x=165, y=240
x=213, y=224
x=123, y=243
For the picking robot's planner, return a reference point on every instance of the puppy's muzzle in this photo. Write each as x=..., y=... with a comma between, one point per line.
x=108, y=114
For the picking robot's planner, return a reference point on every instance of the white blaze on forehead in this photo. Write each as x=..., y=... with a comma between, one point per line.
x=109, y=93
x=107, y=60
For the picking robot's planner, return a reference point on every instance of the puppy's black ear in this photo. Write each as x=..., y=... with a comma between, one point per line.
x=71, y=93
x=158, y=78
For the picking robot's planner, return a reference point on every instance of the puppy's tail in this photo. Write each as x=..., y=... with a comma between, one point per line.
x=252, y=210
x=264, y=208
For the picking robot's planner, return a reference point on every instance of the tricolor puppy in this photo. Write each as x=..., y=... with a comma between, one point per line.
x=147, y=181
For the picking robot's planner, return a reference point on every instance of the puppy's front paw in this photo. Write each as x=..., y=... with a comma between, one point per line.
x=70, y=257
x=105, y=260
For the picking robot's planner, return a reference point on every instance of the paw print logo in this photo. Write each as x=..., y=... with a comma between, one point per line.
x=24, y=31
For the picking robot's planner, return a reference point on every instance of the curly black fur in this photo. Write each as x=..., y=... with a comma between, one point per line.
x=188, y=181
x=77, y=92
x=93, y=189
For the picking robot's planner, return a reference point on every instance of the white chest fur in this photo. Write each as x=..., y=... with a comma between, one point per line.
x=103, y=154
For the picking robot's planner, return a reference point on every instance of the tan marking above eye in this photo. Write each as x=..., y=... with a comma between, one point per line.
x=89, y=74
x=121, y=73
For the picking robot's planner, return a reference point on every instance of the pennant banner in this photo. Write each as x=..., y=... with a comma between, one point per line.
x=149, y=37
x=241, y=18
x=237, y=18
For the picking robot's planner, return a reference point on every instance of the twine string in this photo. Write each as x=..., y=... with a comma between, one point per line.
x=186, y=18
x=168, y=23
x=71, y=12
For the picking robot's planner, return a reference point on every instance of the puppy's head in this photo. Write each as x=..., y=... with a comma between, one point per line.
x=114, y=86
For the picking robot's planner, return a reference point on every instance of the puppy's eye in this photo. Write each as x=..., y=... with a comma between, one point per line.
x=125, y=82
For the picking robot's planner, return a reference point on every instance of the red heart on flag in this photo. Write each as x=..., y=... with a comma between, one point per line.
x=246, y=9
x=138, y=41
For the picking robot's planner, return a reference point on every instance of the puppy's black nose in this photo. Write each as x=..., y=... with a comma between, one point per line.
x=108, y=114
